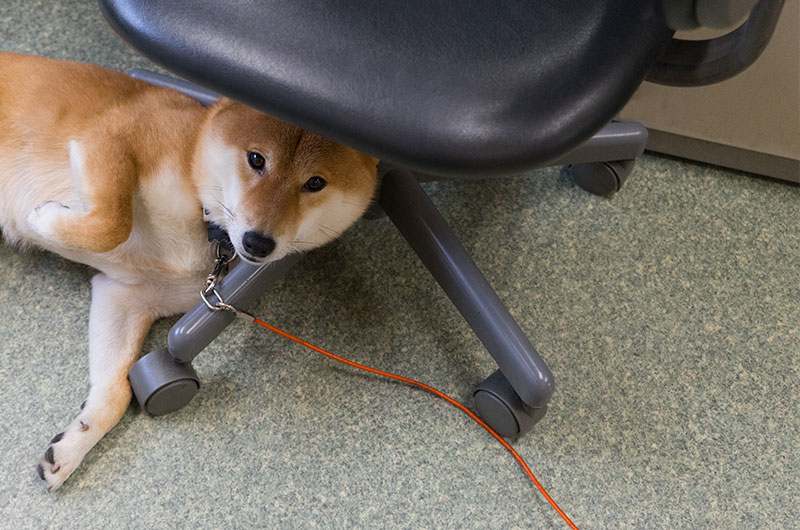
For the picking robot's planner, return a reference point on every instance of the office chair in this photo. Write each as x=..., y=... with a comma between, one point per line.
x=435, y=89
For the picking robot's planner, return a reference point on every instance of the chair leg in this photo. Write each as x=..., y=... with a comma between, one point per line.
x=516, y=397
x=163, y=380
x=245, y=284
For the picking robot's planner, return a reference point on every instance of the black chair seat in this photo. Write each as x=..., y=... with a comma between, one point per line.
x=460, y=87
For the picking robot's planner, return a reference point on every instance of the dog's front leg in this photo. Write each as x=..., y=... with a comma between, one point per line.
x=119, y=319
x=106, y=178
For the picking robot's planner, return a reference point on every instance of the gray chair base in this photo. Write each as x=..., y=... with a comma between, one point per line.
x=513, y=398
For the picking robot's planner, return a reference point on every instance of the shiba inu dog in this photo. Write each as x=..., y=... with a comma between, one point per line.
x=115, y=173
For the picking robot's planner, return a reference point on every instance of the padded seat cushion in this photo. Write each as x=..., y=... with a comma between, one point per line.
x=461, y=87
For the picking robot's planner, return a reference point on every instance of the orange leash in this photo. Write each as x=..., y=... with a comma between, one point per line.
x=432, y=391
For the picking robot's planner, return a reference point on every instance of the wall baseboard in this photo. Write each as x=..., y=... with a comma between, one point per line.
x=724, y=155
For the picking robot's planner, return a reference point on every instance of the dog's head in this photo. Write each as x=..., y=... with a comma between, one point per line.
x=274, y=187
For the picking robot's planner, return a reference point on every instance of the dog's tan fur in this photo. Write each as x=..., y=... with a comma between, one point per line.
x=115, y=173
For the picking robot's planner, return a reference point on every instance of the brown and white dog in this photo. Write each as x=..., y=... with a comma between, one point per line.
x=115, y=173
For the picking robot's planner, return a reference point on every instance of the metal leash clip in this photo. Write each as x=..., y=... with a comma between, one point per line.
x=221, y=263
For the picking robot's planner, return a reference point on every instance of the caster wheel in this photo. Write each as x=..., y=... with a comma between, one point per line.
x=162, y=385
x=500, y=406
x=602, y=178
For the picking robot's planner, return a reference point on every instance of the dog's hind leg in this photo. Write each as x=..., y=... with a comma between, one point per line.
x=120, y=317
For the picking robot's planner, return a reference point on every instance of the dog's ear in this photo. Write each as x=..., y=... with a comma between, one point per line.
x=370, y=162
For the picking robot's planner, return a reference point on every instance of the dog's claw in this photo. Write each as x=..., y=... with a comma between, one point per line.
x=65, y=452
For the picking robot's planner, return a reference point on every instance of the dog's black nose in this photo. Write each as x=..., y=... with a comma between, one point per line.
x=258, y=245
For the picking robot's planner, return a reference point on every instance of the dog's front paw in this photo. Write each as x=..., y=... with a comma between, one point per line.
x=46, y=217
x=64, y=454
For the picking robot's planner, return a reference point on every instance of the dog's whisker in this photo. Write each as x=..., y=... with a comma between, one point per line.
x=330, y=232
x=229, y=214
x=333, y=235
x=327, y=229
x=296, y=249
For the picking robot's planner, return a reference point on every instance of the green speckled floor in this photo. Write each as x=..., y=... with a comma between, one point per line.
x=670, y=316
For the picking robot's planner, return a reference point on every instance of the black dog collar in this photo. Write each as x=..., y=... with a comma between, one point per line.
x=218, y=234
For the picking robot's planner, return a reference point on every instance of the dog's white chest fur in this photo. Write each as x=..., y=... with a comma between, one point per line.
x=168, y=237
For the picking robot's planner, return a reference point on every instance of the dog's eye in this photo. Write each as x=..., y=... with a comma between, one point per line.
x=314, y=184
x=256, y=160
